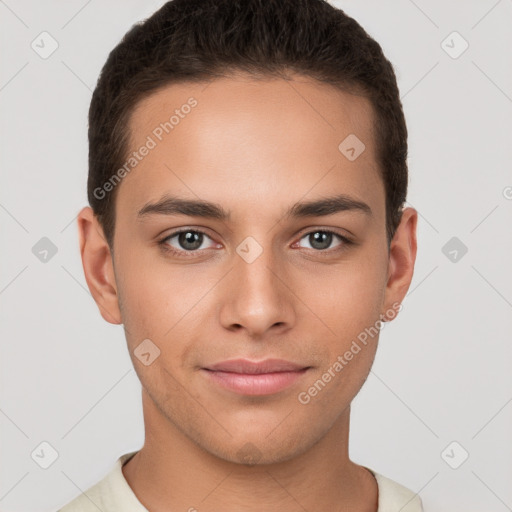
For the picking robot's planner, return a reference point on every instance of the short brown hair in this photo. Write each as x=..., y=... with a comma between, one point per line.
x=200, y=40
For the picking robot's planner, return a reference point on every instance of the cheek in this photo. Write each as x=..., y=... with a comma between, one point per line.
x=349, y=298
x=168, y=307
x=146, y=289
x=331, y=391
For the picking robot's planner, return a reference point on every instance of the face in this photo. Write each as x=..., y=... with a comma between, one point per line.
x=265, y=280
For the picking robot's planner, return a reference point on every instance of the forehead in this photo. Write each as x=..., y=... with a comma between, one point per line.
x=260, y=140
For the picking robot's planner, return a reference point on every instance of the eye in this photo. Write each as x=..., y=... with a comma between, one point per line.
x=187, y=240
x=321, y=239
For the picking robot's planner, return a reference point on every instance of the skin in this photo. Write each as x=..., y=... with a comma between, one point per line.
x=256, y=148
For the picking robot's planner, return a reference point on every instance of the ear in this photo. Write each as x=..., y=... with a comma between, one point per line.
x=98, y=265
x=402, y=256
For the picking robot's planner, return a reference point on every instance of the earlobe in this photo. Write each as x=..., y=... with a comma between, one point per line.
x=402, y=257
x=98, y=266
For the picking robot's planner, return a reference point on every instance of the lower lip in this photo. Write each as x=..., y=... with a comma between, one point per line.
x=255, y=384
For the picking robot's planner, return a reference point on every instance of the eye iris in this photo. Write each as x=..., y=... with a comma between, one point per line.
x=322, y=237
x=190, y=237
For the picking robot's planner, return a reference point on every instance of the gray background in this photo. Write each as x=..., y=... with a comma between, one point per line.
x=442, y=372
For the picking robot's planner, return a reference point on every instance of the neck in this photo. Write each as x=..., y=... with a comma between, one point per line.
x=172, y=472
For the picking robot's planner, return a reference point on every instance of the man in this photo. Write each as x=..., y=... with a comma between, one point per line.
x=247, y=175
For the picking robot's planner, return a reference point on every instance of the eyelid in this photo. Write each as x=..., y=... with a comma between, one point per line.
x=344, y=234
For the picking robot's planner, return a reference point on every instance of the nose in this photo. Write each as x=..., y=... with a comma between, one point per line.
x=256, y=297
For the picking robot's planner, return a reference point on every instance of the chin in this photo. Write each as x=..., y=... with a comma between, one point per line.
x=260, y=450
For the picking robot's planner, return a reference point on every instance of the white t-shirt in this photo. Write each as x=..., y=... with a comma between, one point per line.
x=113, y=494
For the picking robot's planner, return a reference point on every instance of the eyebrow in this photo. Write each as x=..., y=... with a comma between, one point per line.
x=172, y=205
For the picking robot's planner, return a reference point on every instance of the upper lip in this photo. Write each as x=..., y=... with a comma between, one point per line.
x=247, y=366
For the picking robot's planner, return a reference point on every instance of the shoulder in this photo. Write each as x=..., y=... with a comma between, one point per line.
x=110, y=494
x=394, y=497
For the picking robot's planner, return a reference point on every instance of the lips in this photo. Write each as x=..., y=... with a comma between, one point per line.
x=246, y=377
x=248, y=367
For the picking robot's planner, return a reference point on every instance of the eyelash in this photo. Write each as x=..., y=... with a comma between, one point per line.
x=190, y=254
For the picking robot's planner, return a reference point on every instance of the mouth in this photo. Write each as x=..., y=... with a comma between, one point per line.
x=247, y=377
